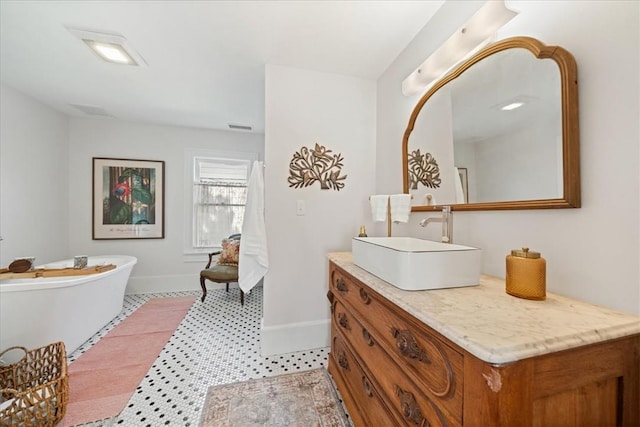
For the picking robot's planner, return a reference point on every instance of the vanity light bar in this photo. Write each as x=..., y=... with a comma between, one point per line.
x=476, y=33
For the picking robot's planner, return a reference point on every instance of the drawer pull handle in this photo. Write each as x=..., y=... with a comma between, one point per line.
x=342, y=360
x=342, y=320
x=408, y=346
x=410, y=408
x=367, y=337
x=365, y=297
x=366, y=385
x=342, y=287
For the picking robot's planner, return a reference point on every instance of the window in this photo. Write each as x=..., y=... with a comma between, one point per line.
x=217, y=185
x=219, y=196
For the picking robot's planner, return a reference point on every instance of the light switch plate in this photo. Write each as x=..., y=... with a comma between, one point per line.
x=301, y=209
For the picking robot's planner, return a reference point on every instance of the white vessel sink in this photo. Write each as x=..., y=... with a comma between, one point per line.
x=416, y=264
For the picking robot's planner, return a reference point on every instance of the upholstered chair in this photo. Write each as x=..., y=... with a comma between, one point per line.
x=225, y=270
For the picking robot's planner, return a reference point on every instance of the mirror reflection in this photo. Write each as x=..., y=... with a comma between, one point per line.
x=501, y=132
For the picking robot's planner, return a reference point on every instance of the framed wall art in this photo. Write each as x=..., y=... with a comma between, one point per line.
x=128, y=199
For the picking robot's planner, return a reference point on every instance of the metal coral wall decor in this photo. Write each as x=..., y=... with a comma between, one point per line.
x=423, y=169
x=308, y=166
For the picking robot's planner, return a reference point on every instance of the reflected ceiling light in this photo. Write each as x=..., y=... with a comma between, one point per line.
x=512, y=106
x=514, y=102
x=475, y=34
x=109, y=47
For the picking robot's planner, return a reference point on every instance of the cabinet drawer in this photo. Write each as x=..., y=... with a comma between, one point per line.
x=434, y=366
x=348, y=290
x=410, y=402
x=366, y=397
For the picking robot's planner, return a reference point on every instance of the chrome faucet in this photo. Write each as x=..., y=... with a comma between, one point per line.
x=447, y=224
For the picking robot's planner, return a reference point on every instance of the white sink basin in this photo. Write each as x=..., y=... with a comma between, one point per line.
x=416, y=264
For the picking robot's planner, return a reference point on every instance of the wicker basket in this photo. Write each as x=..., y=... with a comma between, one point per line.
x=34, y=390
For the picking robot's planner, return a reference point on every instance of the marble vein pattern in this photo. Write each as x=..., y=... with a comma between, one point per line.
x=497, y=327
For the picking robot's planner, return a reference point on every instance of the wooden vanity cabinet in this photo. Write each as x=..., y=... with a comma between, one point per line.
x=392, y=369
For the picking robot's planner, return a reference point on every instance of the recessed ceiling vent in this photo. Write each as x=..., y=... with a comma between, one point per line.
x=240, y=127
x=92, y=110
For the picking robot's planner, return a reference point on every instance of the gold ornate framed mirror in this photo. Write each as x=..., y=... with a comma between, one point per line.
x=498, y=132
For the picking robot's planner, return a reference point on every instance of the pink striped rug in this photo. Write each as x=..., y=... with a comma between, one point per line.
x=102, y=379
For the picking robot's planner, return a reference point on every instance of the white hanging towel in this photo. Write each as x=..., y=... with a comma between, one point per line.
x=379, y=205
x=253, y=261
x=400, y=207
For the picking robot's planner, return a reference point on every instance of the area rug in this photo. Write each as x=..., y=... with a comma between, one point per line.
x=102, y=379
x=305, y=398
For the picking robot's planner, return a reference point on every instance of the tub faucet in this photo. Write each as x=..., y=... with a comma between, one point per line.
x=447, y=224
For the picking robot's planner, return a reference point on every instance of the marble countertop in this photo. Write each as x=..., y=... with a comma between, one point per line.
x=497, y=327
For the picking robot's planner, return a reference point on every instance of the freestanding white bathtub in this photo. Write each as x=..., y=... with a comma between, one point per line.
x=37, y=311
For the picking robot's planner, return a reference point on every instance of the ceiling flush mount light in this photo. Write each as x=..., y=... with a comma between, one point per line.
x=111, y=52
x=109, y=47
x=475, y=34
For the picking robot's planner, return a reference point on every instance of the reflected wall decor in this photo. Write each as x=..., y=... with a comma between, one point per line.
x=423, y=169
x=128, y=199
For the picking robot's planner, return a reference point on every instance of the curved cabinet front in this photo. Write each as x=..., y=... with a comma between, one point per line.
x=367, y=405
x=408, y=400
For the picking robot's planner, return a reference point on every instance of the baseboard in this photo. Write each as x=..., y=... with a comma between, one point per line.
x=294, y=337
x=171, y=283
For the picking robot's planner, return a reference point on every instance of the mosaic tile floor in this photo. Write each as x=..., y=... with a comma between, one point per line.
x=218, y=342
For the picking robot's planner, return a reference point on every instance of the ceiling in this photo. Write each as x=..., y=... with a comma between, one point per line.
x=205, y=59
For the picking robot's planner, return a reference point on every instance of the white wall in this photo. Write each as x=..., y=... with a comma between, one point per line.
x=304, y=108
x=507, y=166
x=593, y=252
x=34, y=187
x=162, y=265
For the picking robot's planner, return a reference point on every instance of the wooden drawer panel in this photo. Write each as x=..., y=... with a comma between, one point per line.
x=348, y=290
x=373, y=409
x=433, y=365
x=411, y=404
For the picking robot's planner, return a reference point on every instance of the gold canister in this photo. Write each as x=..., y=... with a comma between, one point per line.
x=526, y=274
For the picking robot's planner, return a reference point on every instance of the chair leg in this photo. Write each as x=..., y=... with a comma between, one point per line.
x=204, y=288
x=227, y=286
x=241, y=297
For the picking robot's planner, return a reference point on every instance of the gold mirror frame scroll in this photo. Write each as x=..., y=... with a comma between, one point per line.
x=570, y=132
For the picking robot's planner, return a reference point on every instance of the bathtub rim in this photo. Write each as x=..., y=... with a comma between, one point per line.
x=123, y=262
